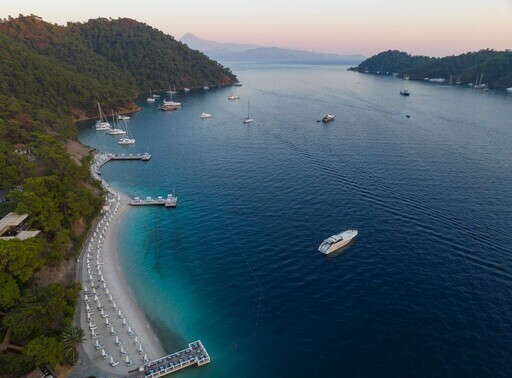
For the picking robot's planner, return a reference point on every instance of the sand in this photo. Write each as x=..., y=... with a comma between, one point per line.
x=105, y=245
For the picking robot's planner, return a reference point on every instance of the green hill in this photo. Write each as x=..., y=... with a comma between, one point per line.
x=496, y=66
x=51, y=75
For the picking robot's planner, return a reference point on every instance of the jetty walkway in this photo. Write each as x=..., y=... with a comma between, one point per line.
x=101, y=159
x=195, y=354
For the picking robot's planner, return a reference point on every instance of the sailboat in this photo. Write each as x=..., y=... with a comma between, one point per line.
x=249, y=118
x=170, y=91
x=171, y=105
x=115, y=130
x=206, y=87
x=129, y=138
x=102, y=124
x=151, y=98
x=404, y=91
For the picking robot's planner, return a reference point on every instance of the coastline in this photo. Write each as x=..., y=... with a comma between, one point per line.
x=108, y=293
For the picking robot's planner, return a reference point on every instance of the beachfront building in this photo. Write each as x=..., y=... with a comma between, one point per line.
x=15, y=226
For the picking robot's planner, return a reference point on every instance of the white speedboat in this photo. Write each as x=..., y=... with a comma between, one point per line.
x=337, y=241
x=186, y=89
x=233, y=97
x=205, y=115
x=123, y=117
x=509, y=89
x=328, y=118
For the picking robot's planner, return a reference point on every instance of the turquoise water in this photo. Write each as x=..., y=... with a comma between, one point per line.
x=425, y=288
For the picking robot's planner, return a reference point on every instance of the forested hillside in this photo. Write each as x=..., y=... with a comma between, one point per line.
x=496, y=66
x=51, y=75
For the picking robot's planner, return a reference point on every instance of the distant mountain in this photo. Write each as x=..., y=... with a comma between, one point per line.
x=252, y=53
x=495, y=66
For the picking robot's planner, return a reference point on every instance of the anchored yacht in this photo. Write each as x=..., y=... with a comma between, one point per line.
x=337, y=241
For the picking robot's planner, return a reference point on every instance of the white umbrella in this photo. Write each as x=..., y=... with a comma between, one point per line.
x=140, y=349
x=129, y=329
x=103, y=354
x=117, y=340
x=85, y=288
x=97, y=344
x=111, y=360
x=124, y=322
x=119, y=314
x=145, y=357
x=122, y=350
x=127, y=359
x=136, y=340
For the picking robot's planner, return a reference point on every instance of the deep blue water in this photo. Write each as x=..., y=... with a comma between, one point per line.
x=425, y=290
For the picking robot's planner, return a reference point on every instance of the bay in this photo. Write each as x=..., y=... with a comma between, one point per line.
x=425, y=288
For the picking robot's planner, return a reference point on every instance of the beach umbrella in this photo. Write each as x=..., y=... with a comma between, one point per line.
x=93, y=290
x=112, y=330
x=114, y=304
x=96, y=297
x=87, y=307
x=140, y=349
x=117, y=340
x=97, y=344
x=127, y=359
x=122, y=350
x=124, y=322
x=86, y=298
x=90, y=278
x=111, y=360
x=136, y=340
x=110, y=298
x=145, y=357
x=92, y=333
x=104, y=285
x=103, y=354
x=129, y=329
x=119, y=314
x=85, y=288
x=102, y=312
x=107, y=322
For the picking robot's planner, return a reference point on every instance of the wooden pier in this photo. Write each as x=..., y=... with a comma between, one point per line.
x=170, y=201
x=195, y=354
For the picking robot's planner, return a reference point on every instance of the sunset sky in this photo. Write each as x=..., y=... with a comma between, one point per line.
x=434, y=27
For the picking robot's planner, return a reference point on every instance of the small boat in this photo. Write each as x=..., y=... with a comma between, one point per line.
x=237, y=84
x=115, y=131
x=205, y=115
x=186, y=89
x=328, y=118
x=151, y=98
x=206, y=87
x=404, y=91
x=337, y=241
x=233, y=97
x=170, y=91
x=509, y=89
x=102, y=124
x=249, y=118
x=123, y=117
x=126, y=141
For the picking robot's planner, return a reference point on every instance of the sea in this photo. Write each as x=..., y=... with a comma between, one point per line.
x=425, y=290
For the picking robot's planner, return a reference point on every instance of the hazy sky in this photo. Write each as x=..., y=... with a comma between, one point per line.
x=428, y=27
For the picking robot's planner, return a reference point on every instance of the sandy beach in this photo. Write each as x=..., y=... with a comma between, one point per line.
x=119, y=338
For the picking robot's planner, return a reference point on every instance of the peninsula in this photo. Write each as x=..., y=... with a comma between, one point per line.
x=489, y=67
x=51, y=76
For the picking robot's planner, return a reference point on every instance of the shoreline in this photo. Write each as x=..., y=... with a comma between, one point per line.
x=106, y=292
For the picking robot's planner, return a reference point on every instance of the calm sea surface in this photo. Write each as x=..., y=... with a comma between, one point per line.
x=426, y=288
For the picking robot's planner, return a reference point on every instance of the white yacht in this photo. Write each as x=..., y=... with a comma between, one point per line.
x=186, y=89
x=328, y=118
x=205, y=115
x=337, y=241
x=123, y=117
x=249, y=118
x=126, y=141
x=233, y=97
x=151, y=98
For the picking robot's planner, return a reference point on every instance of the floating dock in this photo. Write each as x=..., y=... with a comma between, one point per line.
x=195, y=354
x=143, y=157
x=170, y=201
x=102, y=159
